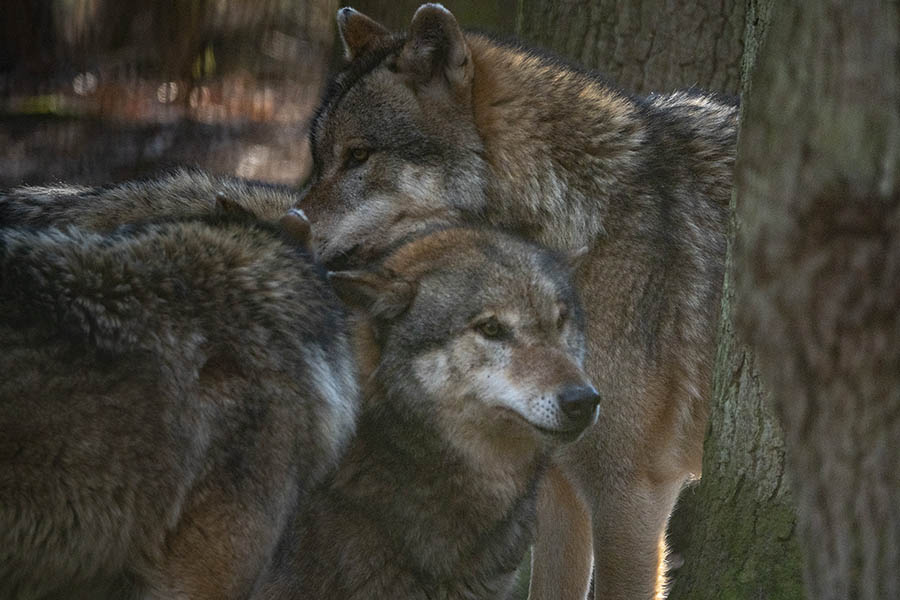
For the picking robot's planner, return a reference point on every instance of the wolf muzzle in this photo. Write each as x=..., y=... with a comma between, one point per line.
x=581, y=406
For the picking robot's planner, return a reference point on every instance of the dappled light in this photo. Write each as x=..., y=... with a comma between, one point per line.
x=132, y=88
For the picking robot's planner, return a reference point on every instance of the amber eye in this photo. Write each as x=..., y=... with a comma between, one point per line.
x=356, y=156
x=491, y=328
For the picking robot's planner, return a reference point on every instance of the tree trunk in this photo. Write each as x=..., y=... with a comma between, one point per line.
x=735, y=529
x=644, y=45
x=818, y=278
x=740, y=540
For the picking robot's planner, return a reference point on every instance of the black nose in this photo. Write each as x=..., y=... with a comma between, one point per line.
x=578, y=404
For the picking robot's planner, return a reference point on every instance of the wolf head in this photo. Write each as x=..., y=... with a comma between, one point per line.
x=395, y=146
x=480, y=333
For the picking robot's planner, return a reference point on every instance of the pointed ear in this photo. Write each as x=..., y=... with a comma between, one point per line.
x=381, y=294
x=295, y=228
x=358, y=31
x=436, y=48
x=226, y=206
x=576, y=258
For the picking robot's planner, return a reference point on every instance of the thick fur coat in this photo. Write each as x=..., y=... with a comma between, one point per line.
x=442, y=126
x=171, y=392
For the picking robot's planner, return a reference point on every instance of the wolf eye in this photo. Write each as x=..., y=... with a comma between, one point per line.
x=491, y=328
x=356, y=157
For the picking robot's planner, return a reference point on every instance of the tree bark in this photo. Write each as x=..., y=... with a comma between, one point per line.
x=735, y=529
x=644, y=45
x=818, y=278
x=740, y=541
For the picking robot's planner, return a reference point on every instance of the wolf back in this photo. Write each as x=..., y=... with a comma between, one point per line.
x=171, y=391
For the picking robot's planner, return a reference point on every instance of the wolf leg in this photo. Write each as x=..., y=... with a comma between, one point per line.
x=562, y=554
x=218, y=554
x=629, y=537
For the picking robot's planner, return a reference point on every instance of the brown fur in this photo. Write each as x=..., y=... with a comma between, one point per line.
x=561, y=550
x=436, y=495
x=171, y=392
x=445, y=127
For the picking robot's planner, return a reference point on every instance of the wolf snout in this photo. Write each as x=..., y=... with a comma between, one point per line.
x=579, y=405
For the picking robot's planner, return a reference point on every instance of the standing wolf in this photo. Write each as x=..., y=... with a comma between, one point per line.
x=178, y=386
x=471, y=353
x=171, y=391
x=441, y=126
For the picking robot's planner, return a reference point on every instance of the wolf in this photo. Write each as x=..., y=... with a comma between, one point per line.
x=179, y=384
x=183, y=193
x=470, y=346
x=171, y=391
x=440, y=127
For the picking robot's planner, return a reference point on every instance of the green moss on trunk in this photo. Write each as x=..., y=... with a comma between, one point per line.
x=736, y=528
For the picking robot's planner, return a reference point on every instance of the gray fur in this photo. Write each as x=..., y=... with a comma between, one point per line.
x=436, y=495
x=511, y=138
x=179, y=194
x=181, y=394
x=164, y=404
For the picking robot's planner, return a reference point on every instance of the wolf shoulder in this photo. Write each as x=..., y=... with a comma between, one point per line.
x=707, y=117
x=149, y=373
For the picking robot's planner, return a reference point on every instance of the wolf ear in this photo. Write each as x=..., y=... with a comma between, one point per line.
x=383, y=295
x=436, y=48
x=576, y=258
x=295, y=229
x=358, y=31
x=226, y=206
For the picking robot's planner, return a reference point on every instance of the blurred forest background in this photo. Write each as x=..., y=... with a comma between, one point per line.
x=95, y=91
x=805, y=421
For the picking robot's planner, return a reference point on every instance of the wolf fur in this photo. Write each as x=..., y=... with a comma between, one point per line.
x=180, y=194
x=440, y=126
x=471, y=347
x=171, y=392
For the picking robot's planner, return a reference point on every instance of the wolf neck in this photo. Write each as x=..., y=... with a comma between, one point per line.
x=553, y=140
x=446, y=522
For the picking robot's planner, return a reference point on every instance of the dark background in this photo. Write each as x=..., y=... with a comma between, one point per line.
x=95, y=91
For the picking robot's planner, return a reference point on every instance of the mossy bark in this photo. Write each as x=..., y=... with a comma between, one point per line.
x=818, y=278
x=736, y=528
x=740, y=541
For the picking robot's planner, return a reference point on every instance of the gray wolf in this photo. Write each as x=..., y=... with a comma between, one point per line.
x=179, y=399
x=180, y=194
x=437, y=126
x=171, y=391
x=470, y=347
